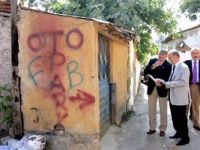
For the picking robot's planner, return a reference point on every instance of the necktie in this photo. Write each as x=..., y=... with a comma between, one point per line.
x=194, y=73
x=172, y=73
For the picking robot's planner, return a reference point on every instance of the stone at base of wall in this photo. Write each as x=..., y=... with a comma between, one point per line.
x=72, y=142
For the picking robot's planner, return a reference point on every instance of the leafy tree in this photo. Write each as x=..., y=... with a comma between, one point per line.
x=44, y=4
x=144, y=16
x=191, y=8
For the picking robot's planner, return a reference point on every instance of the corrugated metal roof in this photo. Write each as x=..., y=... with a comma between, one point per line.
x=111, y=28
x=116, y=31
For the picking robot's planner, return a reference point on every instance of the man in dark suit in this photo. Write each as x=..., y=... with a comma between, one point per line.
x=158, y=68
x=194, y=67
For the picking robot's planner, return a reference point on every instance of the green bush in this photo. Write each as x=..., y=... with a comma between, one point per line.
x=6, y=109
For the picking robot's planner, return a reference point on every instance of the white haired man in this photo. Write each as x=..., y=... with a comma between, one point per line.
x=194, y=67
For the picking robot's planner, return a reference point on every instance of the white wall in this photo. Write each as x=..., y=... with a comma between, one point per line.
x=191, y=38
x=185, y=56
x=134, y=76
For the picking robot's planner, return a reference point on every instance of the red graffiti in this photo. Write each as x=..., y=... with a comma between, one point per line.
x=83, y=97
x=54, y=35
x=58, y=59
x=61, y=116
x=37, y=41
x=45, y=71
x=57, y=89
x=42, y=66
x=48, y=65
x=58, y=94
x=79, y=35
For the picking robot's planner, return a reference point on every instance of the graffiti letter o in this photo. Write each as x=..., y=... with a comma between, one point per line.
x=79, y=43
x=40, y=39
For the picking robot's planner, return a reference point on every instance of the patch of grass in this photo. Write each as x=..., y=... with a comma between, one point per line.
x=127, y=115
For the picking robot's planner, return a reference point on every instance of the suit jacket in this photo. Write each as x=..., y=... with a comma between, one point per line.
x=162, y=72
x=179, y=85
x=189, y=64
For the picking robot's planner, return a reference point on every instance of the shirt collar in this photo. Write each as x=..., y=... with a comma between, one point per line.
x=195, y=60
x=176, y=64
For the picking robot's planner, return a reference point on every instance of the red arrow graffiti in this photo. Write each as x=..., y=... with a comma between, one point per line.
x=84, y=97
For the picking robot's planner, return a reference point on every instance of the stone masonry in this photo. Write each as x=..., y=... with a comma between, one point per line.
x=5, y=51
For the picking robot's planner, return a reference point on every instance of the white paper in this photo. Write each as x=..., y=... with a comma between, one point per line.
x=162, y=81
x=157, y=79
x=152, y=78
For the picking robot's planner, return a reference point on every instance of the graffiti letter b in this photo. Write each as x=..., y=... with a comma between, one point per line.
x=72, y=73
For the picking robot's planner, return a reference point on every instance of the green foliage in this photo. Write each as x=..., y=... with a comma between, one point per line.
x=144, y=16
x=6, y=109
x=191, y=8
x=177, y=35
x=146, y=47
x=127, y=115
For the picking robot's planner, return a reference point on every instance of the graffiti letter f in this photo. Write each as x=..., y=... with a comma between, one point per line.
x=30, y=71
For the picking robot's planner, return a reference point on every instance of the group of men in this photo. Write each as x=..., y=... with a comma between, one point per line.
x=179, y=83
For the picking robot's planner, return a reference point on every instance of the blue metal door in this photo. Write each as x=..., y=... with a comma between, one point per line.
x=104, y=86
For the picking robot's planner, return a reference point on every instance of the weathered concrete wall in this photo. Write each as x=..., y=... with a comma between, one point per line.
x=134, y=75
x=5, y=51
x=5, y=60
x=58, y=70
x=191, y=37
x=137, y=70
x=119, y=75
x=173, y=43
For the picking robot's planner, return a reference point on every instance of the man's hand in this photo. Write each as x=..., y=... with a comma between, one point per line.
x=156, y=64
x=158, y=83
